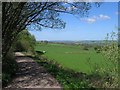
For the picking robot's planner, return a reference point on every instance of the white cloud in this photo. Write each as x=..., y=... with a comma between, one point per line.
x=95, y=18
x=89, y=20
x=103, y=17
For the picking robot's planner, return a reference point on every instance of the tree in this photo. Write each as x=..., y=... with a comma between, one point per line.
x=25, y=42
x=19, y=15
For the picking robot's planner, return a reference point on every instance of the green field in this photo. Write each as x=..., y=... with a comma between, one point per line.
x=74, y=57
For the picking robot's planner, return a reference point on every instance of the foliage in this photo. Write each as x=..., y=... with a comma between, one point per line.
x=109, y=76
x=85, y=47
x=110, y=51
x=6, y=78
x=97, y=48
x=9, y=68
x=25, y=42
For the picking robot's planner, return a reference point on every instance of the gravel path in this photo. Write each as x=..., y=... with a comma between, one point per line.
x=32, y=75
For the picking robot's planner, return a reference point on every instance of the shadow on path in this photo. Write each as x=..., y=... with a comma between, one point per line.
x=31, y=75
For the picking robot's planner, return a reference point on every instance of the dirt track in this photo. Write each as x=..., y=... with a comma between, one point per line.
x=31, y=75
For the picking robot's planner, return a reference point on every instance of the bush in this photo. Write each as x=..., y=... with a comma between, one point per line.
x=9, y=68
x=109, y=76
x=97, y=49
x=25, y=42
x=110, y=52
x=85, y=48
x=20, y=46
x=5, y=79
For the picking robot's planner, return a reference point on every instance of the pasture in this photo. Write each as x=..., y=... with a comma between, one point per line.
x=74, y=57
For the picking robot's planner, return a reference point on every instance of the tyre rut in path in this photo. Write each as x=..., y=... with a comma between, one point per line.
x=31, y=75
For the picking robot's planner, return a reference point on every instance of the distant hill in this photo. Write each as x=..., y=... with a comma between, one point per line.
x=80, y=42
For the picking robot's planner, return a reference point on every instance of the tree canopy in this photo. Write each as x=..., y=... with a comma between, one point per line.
x=16, y=16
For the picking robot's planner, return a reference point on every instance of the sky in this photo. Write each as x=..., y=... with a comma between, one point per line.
x=99, y=22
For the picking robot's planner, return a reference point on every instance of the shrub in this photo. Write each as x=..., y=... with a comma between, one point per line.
x=20, y=46
x=5, y=79
x=25, y=42
x=9, y=67
x=108, y=76
x=95, y=48
x=110, y=52
x=85, y=47
x=98, y=51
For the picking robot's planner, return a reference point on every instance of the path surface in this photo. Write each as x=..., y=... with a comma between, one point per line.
x=31, y=75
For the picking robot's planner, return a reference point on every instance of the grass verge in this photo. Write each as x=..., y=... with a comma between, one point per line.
x=69, y=79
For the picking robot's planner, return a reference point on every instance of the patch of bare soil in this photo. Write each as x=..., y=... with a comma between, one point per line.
x=31, y=75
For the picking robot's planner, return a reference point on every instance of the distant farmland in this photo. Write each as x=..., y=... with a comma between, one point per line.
x=74, y=56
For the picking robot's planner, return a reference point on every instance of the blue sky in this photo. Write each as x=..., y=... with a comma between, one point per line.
x=101, y=21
